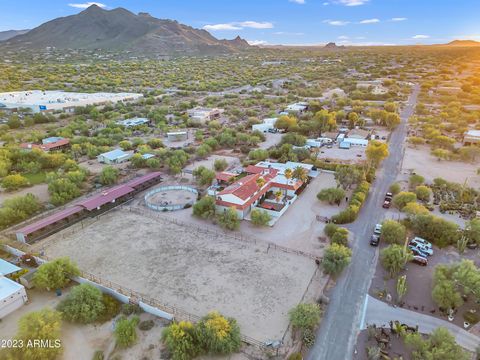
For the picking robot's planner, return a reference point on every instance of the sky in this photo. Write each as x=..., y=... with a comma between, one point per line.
x=293, y=22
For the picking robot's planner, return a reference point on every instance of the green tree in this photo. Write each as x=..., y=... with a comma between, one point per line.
x=332, y=195
x=84, y=304
x=229, y=219
x=440, y=344
x=415, y=141
x=395, y=188
x=260, y=217
x=109, y=175
x=376, y=151
x=205, y=207
x=394, y=258
x=415, y=180
x=55, y=274
x=442, y=154
x=305, y=316
x=43, y=325
x=393, y=232
x=258, y=154
x=330, y=229
x=204, y=176
x=347, y=176
x=125, y=331
x=403, y=198
x=413, y=208
x=472, y=231
x=435, y=229
x=336, y=258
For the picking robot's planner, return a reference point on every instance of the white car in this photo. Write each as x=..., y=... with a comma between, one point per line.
x=378, y=229
x=419, y=241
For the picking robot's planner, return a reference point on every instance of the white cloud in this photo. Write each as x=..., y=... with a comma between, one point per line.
x=217, y=27
x=336, y=22
x=257, y=42
x=326, y=3
x=343, y=37
x=398, y=19
x=352, y=2
x=369, y=21
x=288, y=33
x=298, y=1
x=420, y=37
x=256, y=25
x=239, y=25
x=87, y=4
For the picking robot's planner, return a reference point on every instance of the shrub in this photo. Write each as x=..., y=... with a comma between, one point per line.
x=229, y=219
x=416, y=180
x=330, y=229
x=308, y=338
x=395, y=188
x=180, y=339
x=423, y=193
x=340, y=237
x=435, y=229
x=394, y=258
x=260, y=217
x=111, y=307
x=296, y=356
x=220, y=164
x=332, y=195
x=403, y=198
x=129, y=309
x=346, y=216
x=146, y=325
x=218, y=334
x=203, y=175
x=84, y=304
x=125, y=332
x=98, y=355
x=305, y=316
x=14, y=182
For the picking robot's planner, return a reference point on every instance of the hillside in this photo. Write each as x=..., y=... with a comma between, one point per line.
x=463, y=43
x=120, y=29
x=5, y=35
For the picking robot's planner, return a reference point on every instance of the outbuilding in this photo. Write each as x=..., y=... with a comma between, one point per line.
x=116, y=156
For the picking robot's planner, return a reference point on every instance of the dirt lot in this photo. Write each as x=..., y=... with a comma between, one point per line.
x=40, y=190
x=208, y=162
x=198, y=272
x=420, y=161
x=355, y=154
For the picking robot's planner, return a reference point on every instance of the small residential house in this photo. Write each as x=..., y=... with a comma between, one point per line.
x=471, y=137
x=177, y=136
x=267, y=125
x=116, y=156
x=133, y=122
x=297, y=108
x=204, y=114
x=48, y=144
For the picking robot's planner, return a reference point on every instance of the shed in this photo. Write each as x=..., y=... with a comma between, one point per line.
x=7, y=268
x=344, y=145
x=116, y=156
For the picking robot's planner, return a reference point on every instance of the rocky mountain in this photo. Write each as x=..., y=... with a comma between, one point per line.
x=463, y=43
x=5, y=35
x=122, y=30
x=332, y=45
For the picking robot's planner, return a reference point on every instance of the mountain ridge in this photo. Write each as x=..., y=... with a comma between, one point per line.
x=121, y=30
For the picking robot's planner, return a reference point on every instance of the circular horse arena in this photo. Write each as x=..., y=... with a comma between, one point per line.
x=171, y=198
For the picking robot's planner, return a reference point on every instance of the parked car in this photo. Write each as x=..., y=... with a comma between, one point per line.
x=378, y=229
x=374, y=240
x=417, y=251
x=425, y=249
x=388, y=200
x=472, y=245
x=420, y=260
x=419, y=241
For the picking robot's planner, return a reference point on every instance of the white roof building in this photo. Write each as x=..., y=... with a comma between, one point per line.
x=355, y=141
x=204, y=114
x=116, y=156
x=471, y=137
x=266, y=125
x=297, y=107
x=133, y=122
x=12, y=296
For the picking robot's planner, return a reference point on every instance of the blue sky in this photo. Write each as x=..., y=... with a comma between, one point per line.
x=347, y=22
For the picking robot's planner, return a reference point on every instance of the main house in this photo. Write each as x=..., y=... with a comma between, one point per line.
x=266, y=186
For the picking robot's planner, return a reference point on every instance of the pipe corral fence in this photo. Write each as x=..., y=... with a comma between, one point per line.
x=166, y=206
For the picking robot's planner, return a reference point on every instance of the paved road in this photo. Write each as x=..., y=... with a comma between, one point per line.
x=380, y=314
x=336, y=336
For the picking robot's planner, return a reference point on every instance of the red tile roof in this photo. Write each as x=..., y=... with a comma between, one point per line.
x=45, y=147
x=224, y=176
x=253, y=169
x=247, y=186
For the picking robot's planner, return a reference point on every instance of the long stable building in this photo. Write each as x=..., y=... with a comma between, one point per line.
x=88, y=207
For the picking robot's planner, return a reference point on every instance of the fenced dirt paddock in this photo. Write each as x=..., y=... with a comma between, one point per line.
x=193, y=270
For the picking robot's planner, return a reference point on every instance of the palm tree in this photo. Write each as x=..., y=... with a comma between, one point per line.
x=300, y=173
x=401, y=287
x=288, y=174
x=278, y=195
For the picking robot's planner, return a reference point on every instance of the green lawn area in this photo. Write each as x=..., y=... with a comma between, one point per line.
x=37, y=178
